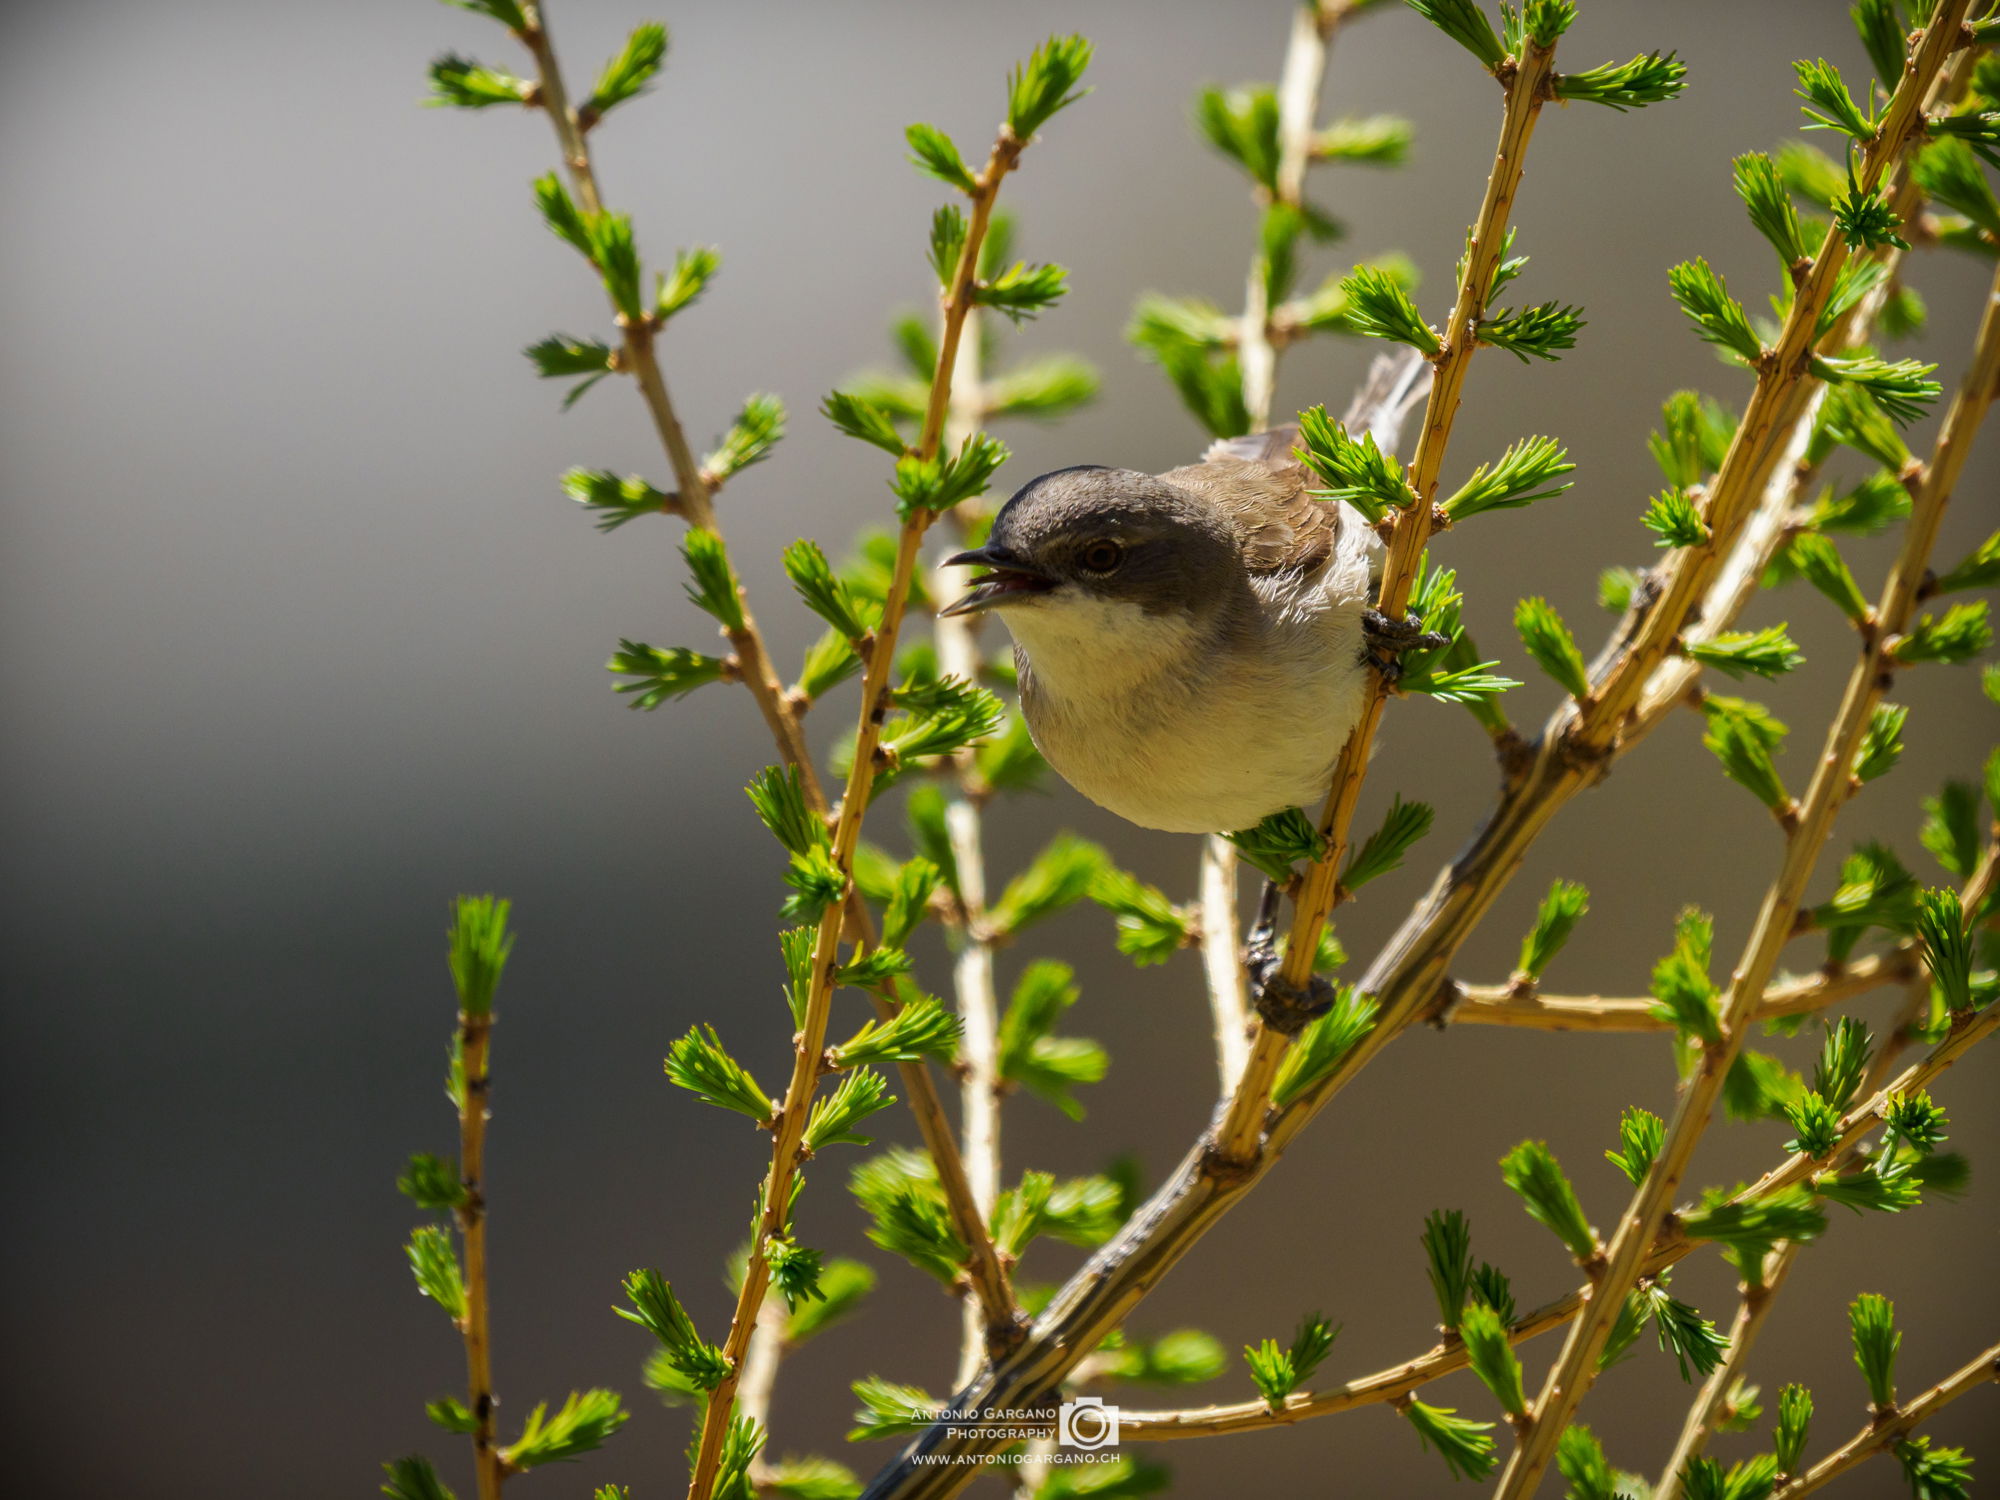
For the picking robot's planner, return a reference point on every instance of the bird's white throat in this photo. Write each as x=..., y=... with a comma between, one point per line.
x=1102, y=647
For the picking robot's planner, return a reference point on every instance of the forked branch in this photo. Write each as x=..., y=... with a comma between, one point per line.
x=789, y=1128
x=1571, y=1377
x=694, y=501
x=1894, y=1428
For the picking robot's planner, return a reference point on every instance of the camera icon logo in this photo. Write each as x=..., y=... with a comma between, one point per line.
x=1087, y=1422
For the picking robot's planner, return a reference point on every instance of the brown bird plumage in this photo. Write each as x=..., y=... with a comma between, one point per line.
x=1192, y=644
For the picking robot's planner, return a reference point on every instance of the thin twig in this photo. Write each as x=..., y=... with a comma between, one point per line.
x=1510, y=1005
x=1238, y=1135
x=1570, y=1379
x=1759, y=1292
x=781, y=714
x=1784, y=389
x=789, y=1127
x=1893, y=1428
x=1031, y=1367
x=1757, y=1299
x=1670, y=1247
x=1392, y=1384
x=1222, y=960
x=759, y=1381
x=1775, y=519
x=1757, y=1295
x=695, y=497
x=1965, y=1033
x=972, y=969
x=1314, y=24
x=475, y=1034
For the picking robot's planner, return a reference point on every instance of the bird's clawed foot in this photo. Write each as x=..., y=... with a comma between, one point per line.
x=1279, y=1005
x=1383, y=641
x=1286, y=1010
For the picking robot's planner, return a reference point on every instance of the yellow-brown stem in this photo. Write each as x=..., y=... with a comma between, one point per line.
x=1784, y=389
x=1570, y=1379
x=553, y=96
x=959, y=297
x=789, y=1129
x=1773, y=521
x=1096, y=1302
x=1882, y=1435
x=1758, y=1297
x=695, y=495
x=782, y=715
x=1258, y=349
x=475, y=1033
x=1238, y=1135
x=1506, y=1005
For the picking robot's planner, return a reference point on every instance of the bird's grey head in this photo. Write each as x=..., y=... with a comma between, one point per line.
x=1093, y=535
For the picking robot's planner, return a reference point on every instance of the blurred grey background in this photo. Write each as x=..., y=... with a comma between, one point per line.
x=301, y=640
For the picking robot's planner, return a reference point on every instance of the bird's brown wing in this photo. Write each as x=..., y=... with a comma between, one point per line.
x=1397, y=381
x=1282, y=527
x=1259, y=484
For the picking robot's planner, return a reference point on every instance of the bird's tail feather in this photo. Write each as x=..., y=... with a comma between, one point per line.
x=1396, y=382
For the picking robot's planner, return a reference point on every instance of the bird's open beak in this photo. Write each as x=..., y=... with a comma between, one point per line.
x=1010, y=578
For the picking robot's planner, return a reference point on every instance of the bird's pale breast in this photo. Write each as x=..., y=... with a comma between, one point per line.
x=1189, y=735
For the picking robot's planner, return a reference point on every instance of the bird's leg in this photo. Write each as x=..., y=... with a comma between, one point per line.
x=1262, y=949
x=1281, y=1007
x=1383, y=641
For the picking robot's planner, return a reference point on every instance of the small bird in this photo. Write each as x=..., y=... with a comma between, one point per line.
x=1192, y=646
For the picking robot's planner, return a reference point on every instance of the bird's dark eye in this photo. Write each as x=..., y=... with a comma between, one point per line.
x=1102, y=556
